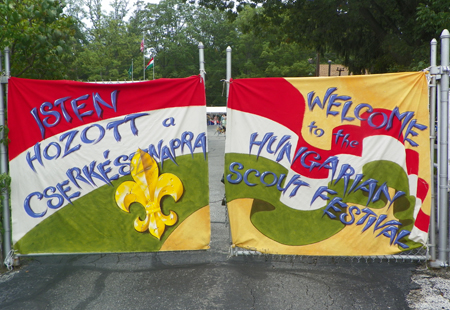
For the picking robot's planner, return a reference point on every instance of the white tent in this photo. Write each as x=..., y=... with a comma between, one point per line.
x=216, y=110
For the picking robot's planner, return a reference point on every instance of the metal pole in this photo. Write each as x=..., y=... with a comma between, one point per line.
x=443, y=142
x=228, y=70
x=4, y=163
x=132, y=69
x=143, y=54
x=433, y=72
x=229, y=119
x=201, y=56
x=329, y=67
x=317, y=64
x=438, y=148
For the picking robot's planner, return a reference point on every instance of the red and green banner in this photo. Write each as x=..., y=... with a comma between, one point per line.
x=329, y=166
x=108, y=167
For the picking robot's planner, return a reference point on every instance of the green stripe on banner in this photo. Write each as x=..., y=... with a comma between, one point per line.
x=94, y=223
x=298, y=227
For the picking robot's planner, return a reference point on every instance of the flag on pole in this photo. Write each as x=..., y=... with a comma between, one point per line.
x=142, y=45
x=150, y=64
x=130, y=71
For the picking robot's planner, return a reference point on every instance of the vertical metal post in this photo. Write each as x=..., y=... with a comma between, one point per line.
x=438, y=149
x=143, y=54
x=4, y=164
x=317, y=64
x=201, y=56
x=228, y=70
x=229, y=121
x=443, y=142
x=433, y=72
x=329, y=67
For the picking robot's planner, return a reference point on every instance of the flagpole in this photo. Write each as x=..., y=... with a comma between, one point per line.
x=143, y=53
x=153, y=67
x=132, y=69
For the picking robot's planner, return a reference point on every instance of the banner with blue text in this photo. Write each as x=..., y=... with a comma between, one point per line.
x=329, y=166
x=108, y=167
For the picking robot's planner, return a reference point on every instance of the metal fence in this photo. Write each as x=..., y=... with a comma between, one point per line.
x=438, y=77
x=437, y=249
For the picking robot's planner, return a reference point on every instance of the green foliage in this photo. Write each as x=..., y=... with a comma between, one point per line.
x=4, y=140
x=265, y=51
x=38, y=35
x=5, y=179
x=5, y=187
x=175, y=29
x=108, y=45
x=268, y=38
x=368, y=35
x=5, y=182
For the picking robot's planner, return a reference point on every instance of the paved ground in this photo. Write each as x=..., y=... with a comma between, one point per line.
x=433, y=291
x=214, y=280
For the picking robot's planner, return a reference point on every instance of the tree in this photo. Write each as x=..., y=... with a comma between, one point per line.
x=374, y=35
x=265, y=51
x=175, y=29
x=109, y=47
x=38, y=34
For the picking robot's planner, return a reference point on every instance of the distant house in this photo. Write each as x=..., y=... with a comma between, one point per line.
x=334, y=69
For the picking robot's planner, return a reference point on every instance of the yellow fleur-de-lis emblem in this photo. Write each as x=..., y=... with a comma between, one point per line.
x=147, y=189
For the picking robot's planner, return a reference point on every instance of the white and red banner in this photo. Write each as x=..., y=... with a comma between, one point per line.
x=73, y=188
x=329, y=166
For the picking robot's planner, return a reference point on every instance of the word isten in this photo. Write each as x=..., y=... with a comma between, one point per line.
x=48, y=115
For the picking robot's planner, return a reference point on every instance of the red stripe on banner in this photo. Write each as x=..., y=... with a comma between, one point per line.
x=33, y=105
x=266, y=96
x=422, y=189
x=412, y=162
x=422, y=221
x=272, y=98
x=370, y=123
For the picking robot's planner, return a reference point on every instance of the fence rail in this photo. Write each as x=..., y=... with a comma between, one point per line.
x=437, y=249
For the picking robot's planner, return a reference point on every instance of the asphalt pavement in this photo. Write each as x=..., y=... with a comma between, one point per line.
x=209, y=279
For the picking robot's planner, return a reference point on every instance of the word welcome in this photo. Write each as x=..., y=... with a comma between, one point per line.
x=332, y=100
